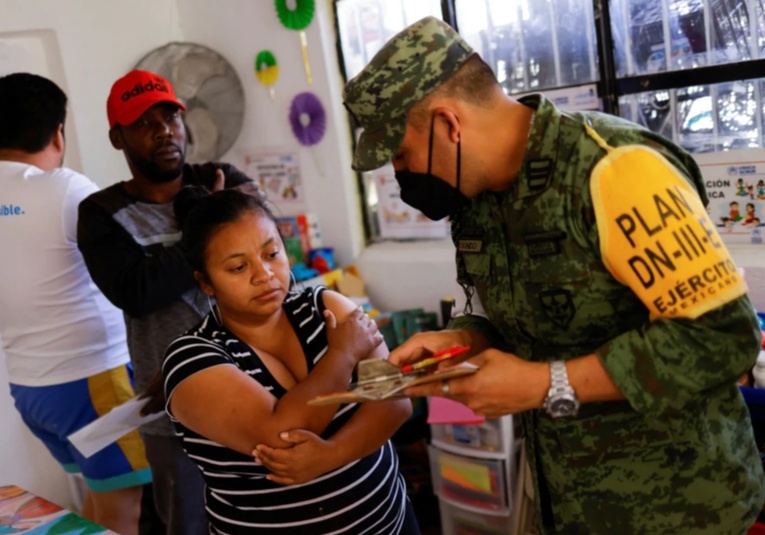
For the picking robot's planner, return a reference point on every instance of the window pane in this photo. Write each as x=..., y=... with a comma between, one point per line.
x=651, y=109
x=365, y=25
x=532, y=44
x=703, y=118
x=761, y=116
x=737, y=113
x=658, y=35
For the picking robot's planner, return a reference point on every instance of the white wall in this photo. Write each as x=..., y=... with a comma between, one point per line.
x=752, y=259
x=239, y=29
x=98, y=41
x=402, y=275
x=26, y=462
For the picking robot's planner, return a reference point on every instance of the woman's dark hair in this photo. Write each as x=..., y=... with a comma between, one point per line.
x=200, y=213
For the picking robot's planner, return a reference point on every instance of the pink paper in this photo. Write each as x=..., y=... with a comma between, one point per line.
x=447, y=411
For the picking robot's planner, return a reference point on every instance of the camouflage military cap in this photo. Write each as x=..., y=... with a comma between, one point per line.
x=407, y=68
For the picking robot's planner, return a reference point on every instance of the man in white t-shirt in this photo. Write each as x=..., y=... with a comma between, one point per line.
x=64, y=342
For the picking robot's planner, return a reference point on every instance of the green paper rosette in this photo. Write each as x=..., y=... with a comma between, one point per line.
x=298, y=18
x=266, y=68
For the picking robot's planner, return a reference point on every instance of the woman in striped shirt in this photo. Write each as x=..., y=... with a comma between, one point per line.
x=241, y=378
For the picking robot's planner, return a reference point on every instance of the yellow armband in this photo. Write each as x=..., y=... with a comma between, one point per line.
x=656, y=236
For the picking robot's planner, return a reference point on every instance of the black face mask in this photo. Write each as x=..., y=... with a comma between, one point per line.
x=429, y=194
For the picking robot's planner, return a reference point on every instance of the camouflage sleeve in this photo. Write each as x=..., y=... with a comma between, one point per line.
x=668, y=363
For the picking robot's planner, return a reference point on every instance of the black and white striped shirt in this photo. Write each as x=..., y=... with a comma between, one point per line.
x=367, y=496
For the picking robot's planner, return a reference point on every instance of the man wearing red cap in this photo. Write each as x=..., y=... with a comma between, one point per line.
x=129, y=239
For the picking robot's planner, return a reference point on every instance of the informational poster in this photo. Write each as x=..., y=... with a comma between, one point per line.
x=582, y=97
x=735, y=183
x=397, y=219
x=278, y=172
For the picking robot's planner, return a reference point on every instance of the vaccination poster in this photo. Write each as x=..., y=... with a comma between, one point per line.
x=735, y=183
x=278, y=173
x=396, y=219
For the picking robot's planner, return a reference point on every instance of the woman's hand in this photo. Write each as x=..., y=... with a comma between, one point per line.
x=308, y=458
x=355, y=337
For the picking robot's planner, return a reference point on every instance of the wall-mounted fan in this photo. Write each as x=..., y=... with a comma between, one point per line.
x=210, y=89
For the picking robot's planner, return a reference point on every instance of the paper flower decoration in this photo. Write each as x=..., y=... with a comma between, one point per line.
x=266, y=68
x=298, y=18
x=307, y=118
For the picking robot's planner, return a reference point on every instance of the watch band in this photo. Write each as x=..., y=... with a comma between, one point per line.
x=561, y=399
x=558, y=375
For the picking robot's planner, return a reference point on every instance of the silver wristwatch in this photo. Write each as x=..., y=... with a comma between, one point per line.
x=561, y=399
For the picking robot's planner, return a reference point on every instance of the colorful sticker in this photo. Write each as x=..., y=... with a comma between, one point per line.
x=656, y=236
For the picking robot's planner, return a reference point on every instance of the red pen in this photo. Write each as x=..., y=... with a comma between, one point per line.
x=436, y=358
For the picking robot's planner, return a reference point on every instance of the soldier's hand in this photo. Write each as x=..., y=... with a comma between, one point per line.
x=423, y=345
x=504, y=384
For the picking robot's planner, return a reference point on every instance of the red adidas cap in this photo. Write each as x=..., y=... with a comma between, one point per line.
x=135, y=93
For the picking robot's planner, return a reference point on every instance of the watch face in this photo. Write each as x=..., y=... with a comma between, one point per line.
x=563, y=406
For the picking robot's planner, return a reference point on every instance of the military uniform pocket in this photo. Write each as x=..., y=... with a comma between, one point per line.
x=479, y=268
x=611, y=435
x=556, y=270
x=611, y=430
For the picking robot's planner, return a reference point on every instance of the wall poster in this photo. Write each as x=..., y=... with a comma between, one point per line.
x=278, y=173
x=735, y=182
x=398, y=220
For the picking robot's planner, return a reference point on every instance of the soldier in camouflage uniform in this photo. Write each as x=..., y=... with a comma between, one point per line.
x=568, y=261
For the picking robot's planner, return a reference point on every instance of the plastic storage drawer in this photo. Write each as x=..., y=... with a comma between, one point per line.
x=490, y=436
x=476, y=483
x=458, y=521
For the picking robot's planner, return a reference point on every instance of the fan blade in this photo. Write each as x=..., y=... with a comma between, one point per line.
x=204, y=135
x=191, y=71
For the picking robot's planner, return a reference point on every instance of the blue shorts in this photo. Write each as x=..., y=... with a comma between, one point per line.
x=54, y=412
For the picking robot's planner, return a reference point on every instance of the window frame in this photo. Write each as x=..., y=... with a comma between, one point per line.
x=610, y=87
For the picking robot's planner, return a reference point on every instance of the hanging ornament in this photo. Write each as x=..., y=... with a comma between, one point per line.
x=309, y=123
x=267, y=70
x=307, y=118
x=297, y=15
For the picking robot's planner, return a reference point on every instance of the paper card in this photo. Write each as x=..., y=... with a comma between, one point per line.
x=111, y=426
x=447, y=411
